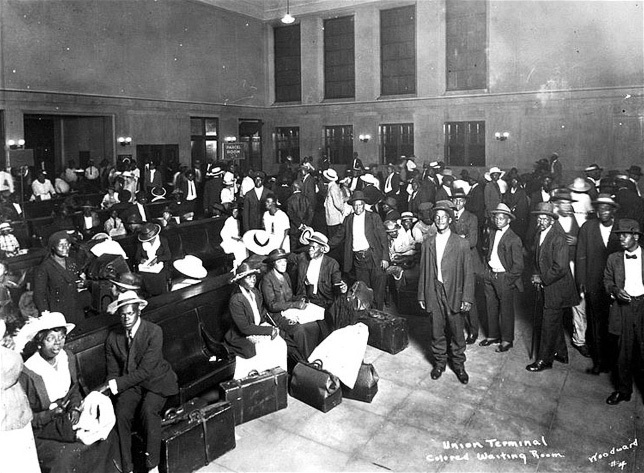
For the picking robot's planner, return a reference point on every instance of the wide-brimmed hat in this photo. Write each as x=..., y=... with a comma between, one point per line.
x=434, y=165
x=330, y=174
x=561, y=193
x=158, y=191
x=215, y=172
x=634, y=170
x=258, y=241
x=459, y=194
x=306, y=234
x=579, y=185
x=494, y=170
x=5, y=226
x=593, y=167
x=627, y=225
x=127, y=298
x=357, y=195
x=149, y=231
x=370, y=179
x=605, y=199
x=320, y=239
x=244, y=270
x=391, y=226
x=128, y=281
x=545, y=208
x=408, y=216
x=503, y=209
x=275, y=255
x=446, y=206
x=190, y=266
x=47, y=321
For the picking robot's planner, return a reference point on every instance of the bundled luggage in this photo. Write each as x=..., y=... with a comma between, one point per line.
x=313, y=385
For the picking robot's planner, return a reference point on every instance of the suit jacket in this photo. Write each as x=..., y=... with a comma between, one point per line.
x=329, y=276
x=244, y=323
x=592, y=255
x=143, y=365
x=395, y=185
x=458, y=274
x=553, y=266
x=183, y=185
x=308, y=189
x=614, y=280
x=510, y=251
x=253, y=210
x=376, y=237
x=149, y=183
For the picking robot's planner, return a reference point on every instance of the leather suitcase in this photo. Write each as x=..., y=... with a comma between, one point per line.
x=197, y=436
x=256, y=395
x=366, y=386
x=314, y=386
x=386, y=332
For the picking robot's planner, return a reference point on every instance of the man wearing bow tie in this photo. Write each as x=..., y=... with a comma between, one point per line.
x=623, y=280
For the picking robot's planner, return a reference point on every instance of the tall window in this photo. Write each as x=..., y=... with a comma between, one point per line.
x=287, y=143
x=466, y=44
x=465, y=143
x=288, y=83
x=204, y=136
x=338, y=143
x=339, y=58
x=398, y=51
x=396, y=141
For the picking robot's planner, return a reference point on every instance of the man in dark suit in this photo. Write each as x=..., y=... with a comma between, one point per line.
x=446, y=290
x=623, y=279
x=139, y=377
x=308, y=184
x=299, y=212
x=502, y=279
x=365, y=246
x=152, y=177
x=553, y=276
x=391, y=184
x=593, y=176
x=630, y=204
x=595, y=242
x=254, y=204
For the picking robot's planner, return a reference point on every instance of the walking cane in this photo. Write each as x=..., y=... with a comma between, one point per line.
x=537, y=304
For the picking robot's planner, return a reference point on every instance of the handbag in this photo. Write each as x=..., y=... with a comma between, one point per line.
x=314, y=386
x=366, y=386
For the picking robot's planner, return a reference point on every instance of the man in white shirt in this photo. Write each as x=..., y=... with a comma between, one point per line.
x=276, y=223
x=42, y=188
x=91, y=175
x=623, y=279
x=446, y=290
x=333, y=203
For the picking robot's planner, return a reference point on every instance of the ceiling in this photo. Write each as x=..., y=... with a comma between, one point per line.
x=268, y=10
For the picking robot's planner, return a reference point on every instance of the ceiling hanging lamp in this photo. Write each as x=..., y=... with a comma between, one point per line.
x=288, y=19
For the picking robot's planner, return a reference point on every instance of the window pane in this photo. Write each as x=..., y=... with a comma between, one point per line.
x=196, y=126
x=395, y=141
x=398, y=51
x=287, y=143
x=466, y=51
x=211, y=126
x=465, y=143
x=211, y=149
x=287, y=64
x=339, y=144
x=339, y=58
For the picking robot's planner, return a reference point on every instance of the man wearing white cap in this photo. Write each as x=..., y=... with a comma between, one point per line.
x=139, y=377
x=333, y=203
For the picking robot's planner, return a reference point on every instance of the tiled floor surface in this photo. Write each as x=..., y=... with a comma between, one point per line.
x=412, y=421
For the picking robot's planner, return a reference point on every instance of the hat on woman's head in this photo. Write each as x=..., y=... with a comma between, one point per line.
x=275, y=255
x=149, y=231
x=258, y=242
x=47, y=321
x=128, y=298
x=128, y=281
x=494, y=170
x=190, y=266
x=158, y=191
x=244, y=270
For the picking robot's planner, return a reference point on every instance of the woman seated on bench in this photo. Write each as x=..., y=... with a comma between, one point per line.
x=256, y=343
x=50, y=378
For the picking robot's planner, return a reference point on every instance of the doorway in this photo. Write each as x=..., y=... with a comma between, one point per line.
x=250, y=132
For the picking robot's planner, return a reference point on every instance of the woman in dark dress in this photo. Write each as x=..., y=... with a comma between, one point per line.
x=153, y=258
x=59, y=283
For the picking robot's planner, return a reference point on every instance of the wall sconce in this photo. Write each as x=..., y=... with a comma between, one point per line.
x=501, y=136
x=230, y=139
x=124, y=140
x=13, y=144
x=364, y=138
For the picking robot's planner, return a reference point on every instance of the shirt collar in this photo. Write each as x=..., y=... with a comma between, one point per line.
x=135, y=329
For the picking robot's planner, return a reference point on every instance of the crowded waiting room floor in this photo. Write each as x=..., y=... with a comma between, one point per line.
x=506, y=419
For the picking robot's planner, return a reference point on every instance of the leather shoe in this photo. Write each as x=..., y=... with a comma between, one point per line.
x=583, y=350
x=437, y=372
x=617, y=397
x=561, y=358
x=539, y=365
x=471, y=339
x=503, y=348
x=489, y=341
x=462, y=376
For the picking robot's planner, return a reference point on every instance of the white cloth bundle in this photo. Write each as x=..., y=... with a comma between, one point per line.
x=96, y=420
x=311, y=313
x=268, y=354
x=342, y=352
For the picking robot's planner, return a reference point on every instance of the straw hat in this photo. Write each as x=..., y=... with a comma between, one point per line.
x=330, y=175
x=5, y=226
x=149, y=231
x=320, y=239
x=494, y=170
x=579, y=185
x=215, y=172
x=244, y=270
x=408, y=216
x=306, y=234
x=47, y=321
x=127, y=298
x=258, y=242
x=190, y=266
x=158, y=192
x=593, y=167
x=503, y=209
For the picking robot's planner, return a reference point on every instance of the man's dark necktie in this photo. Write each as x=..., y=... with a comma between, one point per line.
x=630, y=256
